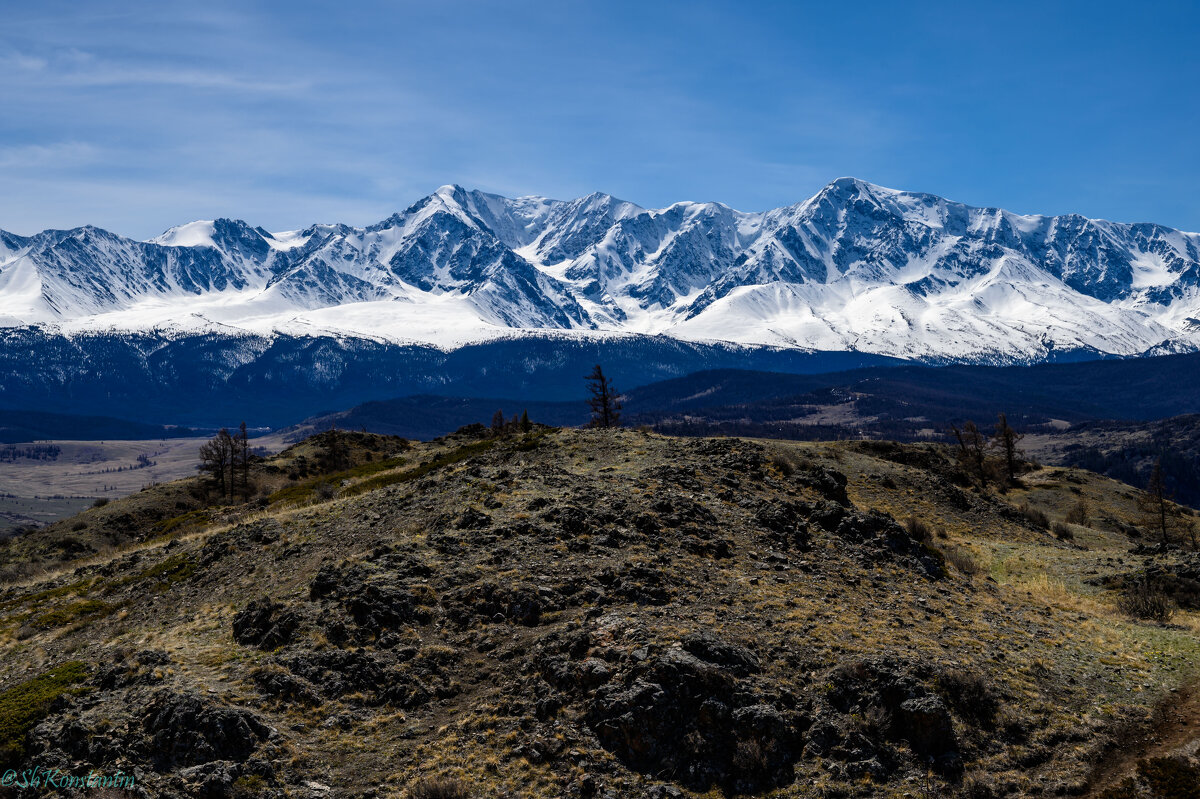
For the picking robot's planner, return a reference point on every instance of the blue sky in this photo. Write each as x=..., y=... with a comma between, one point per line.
x=136, y=117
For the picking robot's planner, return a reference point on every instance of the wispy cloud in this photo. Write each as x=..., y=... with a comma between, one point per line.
x=76, y=68
x=60, y=155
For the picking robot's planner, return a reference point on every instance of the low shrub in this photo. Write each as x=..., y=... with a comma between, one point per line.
x=918, y=529
x=1035, y=517
x=166, y=573
x=1062, y=532
x=325, y=488
x=445, y=459
x=1158, y=778
x=249, y=787
x=85, y=610
x=439, y=789
x=26, y=704
x=1079, y=513
x=979, y=787
x=1145, y=599
x=970, y=693
x=961, y=560
x=1170, y=777
x=198, y=517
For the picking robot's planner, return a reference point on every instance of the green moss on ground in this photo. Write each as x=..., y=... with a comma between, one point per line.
x=25, y=704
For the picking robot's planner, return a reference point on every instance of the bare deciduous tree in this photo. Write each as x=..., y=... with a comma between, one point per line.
x=1155, y=504
x=1006, y=440
x=217, y=458
x=972, y=450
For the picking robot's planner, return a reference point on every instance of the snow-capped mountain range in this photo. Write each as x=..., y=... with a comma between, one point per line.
x=857, y=267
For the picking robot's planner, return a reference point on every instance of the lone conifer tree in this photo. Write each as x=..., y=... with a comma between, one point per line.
x=606, y=408
x=241, y=443
x=526, y=425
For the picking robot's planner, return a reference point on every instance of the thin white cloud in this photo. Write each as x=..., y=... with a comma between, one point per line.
x=48, y=156
x=81, y=69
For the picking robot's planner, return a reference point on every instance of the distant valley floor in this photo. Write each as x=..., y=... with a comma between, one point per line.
x=38, y=491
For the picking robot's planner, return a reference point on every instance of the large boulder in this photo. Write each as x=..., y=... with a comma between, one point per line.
x=681, y=717
x=265, y=624
x=903, y=707
x=737, y=659
x=186, y=730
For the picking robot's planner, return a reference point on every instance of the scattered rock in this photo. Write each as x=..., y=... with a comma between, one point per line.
x=187, y=730
x=265, y=624
x=677, y=714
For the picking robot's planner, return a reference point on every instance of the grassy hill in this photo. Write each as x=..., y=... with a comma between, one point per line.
x=593, y=613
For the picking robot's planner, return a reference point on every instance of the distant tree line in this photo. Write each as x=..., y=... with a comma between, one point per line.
x=33, y=452
x=1172, y=444
x=517, y=424
x=604, y=402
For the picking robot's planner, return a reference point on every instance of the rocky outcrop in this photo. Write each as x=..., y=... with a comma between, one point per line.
x=677, y=715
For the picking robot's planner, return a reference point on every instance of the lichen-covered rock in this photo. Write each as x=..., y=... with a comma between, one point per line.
x=678, y=715
x=187, y=730
x=265, y=624
x=737, y=659
x=489, y=602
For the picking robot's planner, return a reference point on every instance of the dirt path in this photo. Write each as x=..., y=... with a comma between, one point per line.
x=1176, y=729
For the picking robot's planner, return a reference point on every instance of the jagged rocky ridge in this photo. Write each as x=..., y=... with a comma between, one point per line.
x=856, y=267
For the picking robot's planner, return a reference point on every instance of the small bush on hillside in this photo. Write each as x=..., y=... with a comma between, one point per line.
x=100, y=502
x=784, y=463
x=1158, y=778
x=27, y=703
x=978, y=788
x=971, y=694
x=1062, y=532
x=439, y=789
x=788, y=462
x=249, y=787
x=1035, y=517
x=1146, y=599
x=918, y=529
x=1079, y=513
x=1170, y=777
x=961, y=560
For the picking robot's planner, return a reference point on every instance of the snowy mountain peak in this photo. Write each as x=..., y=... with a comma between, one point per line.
x=193, y=234
x=855, y=267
